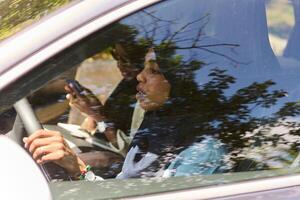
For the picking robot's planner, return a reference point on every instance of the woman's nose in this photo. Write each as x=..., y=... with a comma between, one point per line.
x=140, y=77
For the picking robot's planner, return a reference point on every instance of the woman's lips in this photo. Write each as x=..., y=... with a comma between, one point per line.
x=141, y=95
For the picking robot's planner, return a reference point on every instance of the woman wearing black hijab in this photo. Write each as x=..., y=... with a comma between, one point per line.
x=168, y=128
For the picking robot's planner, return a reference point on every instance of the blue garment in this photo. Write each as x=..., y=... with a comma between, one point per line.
x=201, y=158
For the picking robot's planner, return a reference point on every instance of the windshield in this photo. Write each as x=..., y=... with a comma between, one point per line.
x=15, y=15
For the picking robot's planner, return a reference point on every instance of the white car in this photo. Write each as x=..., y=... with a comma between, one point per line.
x=233, y=69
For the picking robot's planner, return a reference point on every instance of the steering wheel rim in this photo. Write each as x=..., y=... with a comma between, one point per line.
x=32, y=124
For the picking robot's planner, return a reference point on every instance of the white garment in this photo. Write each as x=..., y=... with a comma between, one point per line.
x=123, y=140
x=133, y=169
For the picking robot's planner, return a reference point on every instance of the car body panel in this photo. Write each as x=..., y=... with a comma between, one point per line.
x=289, y=193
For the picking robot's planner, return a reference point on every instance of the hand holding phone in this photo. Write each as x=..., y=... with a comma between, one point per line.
x=83, y=99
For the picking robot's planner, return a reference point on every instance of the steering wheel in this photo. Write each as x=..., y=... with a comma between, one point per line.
x=31, y=125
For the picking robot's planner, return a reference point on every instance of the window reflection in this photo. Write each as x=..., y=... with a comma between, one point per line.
x=225, y=102
x=228, y=77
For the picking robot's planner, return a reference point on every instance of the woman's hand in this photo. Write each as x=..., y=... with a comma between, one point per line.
x=46, y=146
x=85, y=101
x=88, y=104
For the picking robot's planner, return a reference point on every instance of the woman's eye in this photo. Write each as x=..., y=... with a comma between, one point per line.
x=155, y=71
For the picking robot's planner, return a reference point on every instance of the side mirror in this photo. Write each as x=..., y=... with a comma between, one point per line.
x=21, y=178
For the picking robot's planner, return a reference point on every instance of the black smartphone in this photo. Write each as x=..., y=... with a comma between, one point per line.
x=75, y=85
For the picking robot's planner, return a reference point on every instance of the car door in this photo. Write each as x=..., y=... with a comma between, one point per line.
x=229, y=125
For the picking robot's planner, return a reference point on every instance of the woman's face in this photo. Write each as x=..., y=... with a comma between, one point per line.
x=128, y=70
x=153, y=88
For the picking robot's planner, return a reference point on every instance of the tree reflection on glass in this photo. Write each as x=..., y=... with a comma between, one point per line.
x=209, y=108
x=226, y=102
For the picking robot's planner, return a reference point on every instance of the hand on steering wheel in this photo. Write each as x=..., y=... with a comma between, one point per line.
x=46, y=146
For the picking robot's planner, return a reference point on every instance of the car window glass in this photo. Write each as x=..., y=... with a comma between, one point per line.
x=218, y=84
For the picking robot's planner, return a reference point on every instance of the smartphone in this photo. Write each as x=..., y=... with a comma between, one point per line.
x=75, y=85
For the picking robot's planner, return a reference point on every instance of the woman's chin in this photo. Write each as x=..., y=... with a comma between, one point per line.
x=149, y=106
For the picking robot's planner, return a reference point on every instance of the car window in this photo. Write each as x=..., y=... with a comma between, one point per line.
x=216, y=84
x=16, y=15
